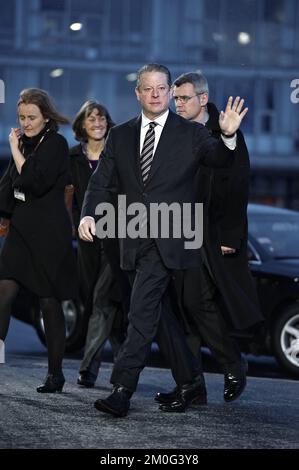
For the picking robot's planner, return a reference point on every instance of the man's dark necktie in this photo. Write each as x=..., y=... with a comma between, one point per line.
x=147, y=154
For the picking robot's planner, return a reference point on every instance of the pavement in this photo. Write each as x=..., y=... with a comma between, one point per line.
x=266, y=416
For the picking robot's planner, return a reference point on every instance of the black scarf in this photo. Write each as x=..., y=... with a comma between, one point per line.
x=28, y=144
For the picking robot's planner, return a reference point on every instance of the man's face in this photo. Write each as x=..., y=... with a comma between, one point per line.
x=153, y=94
x=194, y=107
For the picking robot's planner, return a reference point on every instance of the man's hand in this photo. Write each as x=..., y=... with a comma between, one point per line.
x=230, y=120
x=226, y=250
x=87, y=229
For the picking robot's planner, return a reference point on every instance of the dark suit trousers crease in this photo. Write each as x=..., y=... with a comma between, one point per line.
x=148, y=305
x=200, y=301
x=101, y=322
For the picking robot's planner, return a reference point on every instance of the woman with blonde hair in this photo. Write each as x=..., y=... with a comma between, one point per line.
x=37, y=252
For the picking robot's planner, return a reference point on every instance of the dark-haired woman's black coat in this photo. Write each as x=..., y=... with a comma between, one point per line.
x=38, y=252
x=89, y=260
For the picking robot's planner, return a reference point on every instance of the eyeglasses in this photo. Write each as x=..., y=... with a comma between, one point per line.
x=162, y=90
x=185, y=99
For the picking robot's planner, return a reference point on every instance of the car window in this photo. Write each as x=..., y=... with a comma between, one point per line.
x=250, y=254
x=277, y=234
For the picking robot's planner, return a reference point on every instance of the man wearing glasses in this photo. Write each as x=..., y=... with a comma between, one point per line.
x=153, y=159
x=218, y=296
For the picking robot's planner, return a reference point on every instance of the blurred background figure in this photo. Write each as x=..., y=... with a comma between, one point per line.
x=218, y=297
x=98, y=263
x=77, y=49
x=37, y=252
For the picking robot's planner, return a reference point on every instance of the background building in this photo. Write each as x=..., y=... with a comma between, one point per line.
x=80, y=49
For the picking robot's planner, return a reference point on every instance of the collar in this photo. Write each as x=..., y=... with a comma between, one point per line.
x=206, y=117
x=160, y=121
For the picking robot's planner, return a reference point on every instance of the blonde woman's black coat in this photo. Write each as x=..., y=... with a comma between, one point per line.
x=37, y=251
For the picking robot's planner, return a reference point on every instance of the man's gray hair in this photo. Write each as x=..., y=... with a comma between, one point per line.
x=153, y=68
x=197, y=79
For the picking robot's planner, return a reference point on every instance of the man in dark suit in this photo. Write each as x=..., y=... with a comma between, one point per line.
x=152, y=159
x=218, y=296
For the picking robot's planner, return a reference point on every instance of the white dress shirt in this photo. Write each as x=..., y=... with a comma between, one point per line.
x=160, y=121
x=230, y=142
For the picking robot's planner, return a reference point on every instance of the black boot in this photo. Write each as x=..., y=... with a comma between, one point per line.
x=52, y=384
x=86, y=379
x=116, y=404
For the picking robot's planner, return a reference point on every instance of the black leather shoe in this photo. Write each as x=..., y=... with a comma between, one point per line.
x=200, y=399
x=235, y=382
x=186, y=395
x=52, y=384
x=167, y=397
x=86, y=379
x=116, y=404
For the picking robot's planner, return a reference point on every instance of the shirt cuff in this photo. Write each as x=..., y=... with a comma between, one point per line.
x=230, y=142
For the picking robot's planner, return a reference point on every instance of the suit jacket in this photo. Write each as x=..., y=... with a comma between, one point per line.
x=182, y=147
x=89, y=254
x=224, y=192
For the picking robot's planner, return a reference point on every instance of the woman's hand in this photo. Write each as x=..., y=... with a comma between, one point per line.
x=226, y=250
x=14, y=137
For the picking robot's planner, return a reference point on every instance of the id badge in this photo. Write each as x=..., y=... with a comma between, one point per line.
x=19, y=195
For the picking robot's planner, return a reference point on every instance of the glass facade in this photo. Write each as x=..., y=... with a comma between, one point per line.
x=245, y=47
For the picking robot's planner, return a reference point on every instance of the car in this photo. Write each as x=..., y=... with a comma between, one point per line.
x=273, y=256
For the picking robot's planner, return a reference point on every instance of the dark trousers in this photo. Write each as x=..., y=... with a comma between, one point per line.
x=148, y=305
x=199, y=299
x=106, y=321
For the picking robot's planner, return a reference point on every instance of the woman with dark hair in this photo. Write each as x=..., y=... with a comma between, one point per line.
x=98, y=263
x=37, y=253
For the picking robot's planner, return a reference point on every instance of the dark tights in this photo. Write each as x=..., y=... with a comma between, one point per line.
x=55, y=332
x=53, y=321
x=8, y=292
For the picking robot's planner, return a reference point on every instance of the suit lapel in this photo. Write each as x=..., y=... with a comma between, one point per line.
x=162, y=150
x=135, y=145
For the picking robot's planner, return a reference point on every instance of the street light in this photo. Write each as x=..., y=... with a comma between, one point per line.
x=244, y=38
x=131, y=77
x=55, y=73
x=76, y=26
